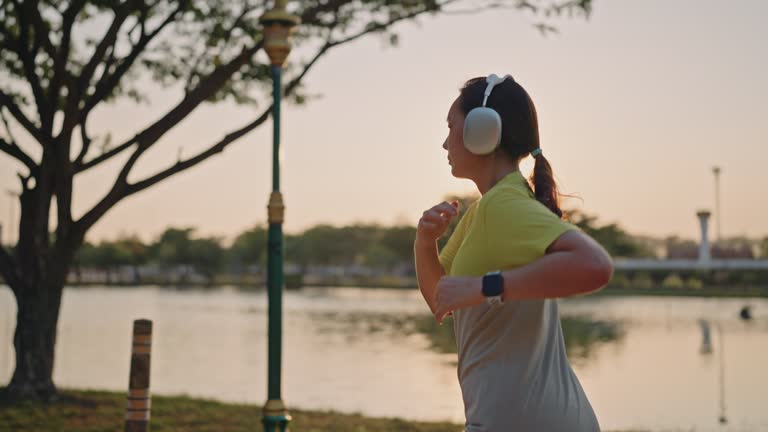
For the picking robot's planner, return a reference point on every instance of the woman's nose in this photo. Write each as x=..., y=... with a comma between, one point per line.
x=445, y=144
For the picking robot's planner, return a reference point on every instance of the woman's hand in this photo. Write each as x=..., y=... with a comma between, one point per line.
x=435, y=221
x=457, y=292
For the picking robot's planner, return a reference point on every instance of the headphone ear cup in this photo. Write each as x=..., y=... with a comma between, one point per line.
x=482, y=131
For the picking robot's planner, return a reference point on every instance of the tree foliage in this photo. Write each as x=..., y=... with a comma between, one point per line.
x=61, y=60
x=611, y=236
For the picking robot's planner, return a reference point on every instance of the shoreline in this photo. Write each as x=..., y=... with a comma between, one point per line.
x=706, y=292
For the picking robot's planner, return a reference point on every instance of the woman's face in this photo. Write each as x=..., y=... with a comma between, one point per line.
x=463, y=163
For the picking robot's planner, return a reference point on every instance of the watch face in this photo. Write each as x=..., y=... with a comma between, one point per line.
x=493, y=284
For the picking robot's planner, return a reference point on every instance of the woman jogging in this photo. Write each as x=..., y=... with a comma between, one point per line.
x=509, y=258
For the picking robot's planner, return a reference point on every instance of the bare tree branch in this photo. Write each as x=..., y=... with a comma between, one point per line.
x=554, y=7
x=122, y=188
x=81, y=166
x=309, y=16
x=7, y=127
x=14, y=150
x=189, y=163
x=152, y=133
x=8, y=102
x=109, y=39
x=146, y=138
x=60, y=73
x=384, y=25
x=228, y=32
x=492, y=6
x=229, y=138
x=85, y=146
x=206, y=89
x=108, y=81
x=41, y=32
x=246, y=10
x=26, y=11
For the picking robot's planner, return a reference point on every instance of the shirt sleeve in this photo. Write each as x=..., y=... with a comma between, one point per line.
x=452, y=247
x=520, y=230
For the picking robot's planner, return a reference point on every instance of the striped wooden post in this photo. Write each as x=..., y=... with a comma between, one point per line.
x=139, y=406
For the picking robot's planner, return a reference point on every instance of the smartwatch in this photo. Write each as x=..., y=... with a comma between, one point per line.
x=493, y=288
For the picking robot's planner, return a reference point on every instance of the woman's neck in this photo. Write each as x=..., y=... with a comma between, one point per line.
x=499, y=167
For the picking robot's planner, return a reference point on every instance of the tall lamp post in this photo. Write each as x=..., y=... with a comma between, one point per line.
x=278, y=25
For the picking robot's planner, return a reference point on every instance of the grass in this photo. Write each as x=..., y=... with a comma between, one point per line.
x=98, y=411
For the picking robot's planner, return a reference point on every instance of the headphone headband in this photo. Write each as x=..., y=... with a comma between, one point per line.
x=493, y=80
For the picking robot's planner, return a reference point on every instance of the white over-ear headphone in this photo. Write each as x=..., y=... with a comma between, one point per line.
x=482, y=126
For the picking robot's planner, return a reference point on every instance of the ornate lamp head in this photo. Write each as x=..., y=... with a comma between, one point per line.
x=278, y=24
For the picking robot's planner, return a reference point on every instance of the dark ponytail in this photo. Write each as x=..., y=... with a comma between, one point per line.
x=544, y=185
x=519, y=132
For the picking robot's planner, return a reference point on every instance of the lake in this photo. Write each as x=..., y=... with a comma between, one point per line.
x=378, y=352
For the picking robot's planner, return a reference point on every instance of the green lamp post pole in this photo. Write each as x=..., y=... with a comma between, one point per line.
x=278, y=25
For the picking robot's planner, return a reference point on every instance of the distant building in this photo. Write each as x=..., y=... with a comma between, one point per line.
x=732, y=254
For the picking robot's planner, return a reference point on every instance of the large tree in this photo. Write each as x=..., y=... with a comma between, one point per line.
x=60, y=60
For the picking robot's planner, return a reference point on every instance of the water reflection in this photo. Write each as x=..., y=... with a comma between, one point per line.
x=706, y=337
x=378, y=352
x=582, y=333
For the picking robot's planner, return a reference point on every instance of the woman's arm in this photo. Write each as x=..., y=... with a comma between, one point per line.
x=574, y=264
x=432, y=226
x=428, y=270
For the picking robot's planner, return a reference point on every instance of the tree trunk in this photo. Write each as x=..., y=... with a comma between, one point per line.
x=41, y=272
x=35, y=341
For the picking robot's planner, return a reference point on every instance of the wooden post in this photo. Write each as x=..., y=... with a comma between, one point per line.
x=139, y=406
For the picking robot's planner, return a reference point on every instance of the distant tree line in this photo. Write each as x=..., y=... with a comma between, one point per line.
x=384, y=249
x=371, y=246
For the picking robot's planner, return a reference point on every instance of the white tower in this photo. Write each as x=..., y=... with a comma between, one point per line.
x=704, y=251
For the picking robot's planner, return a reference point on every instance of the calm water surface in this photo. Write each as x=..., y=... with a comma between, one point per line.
x=377, y=352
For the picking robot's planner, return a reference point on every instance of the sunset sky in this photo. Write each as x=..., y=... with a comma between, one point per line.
x=636, y=105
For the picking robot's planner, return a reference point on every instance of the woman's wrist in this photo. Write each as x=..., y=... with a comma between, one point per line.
x=422, y=244
x=510, y=281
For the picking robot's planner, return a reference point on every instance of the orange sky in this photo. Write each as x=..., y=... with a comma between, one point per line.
x=635, y=107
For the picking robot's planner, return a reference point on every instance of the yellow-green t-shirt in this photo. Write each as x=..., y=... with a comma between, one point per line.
x=506, y=228
x=513, y=369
